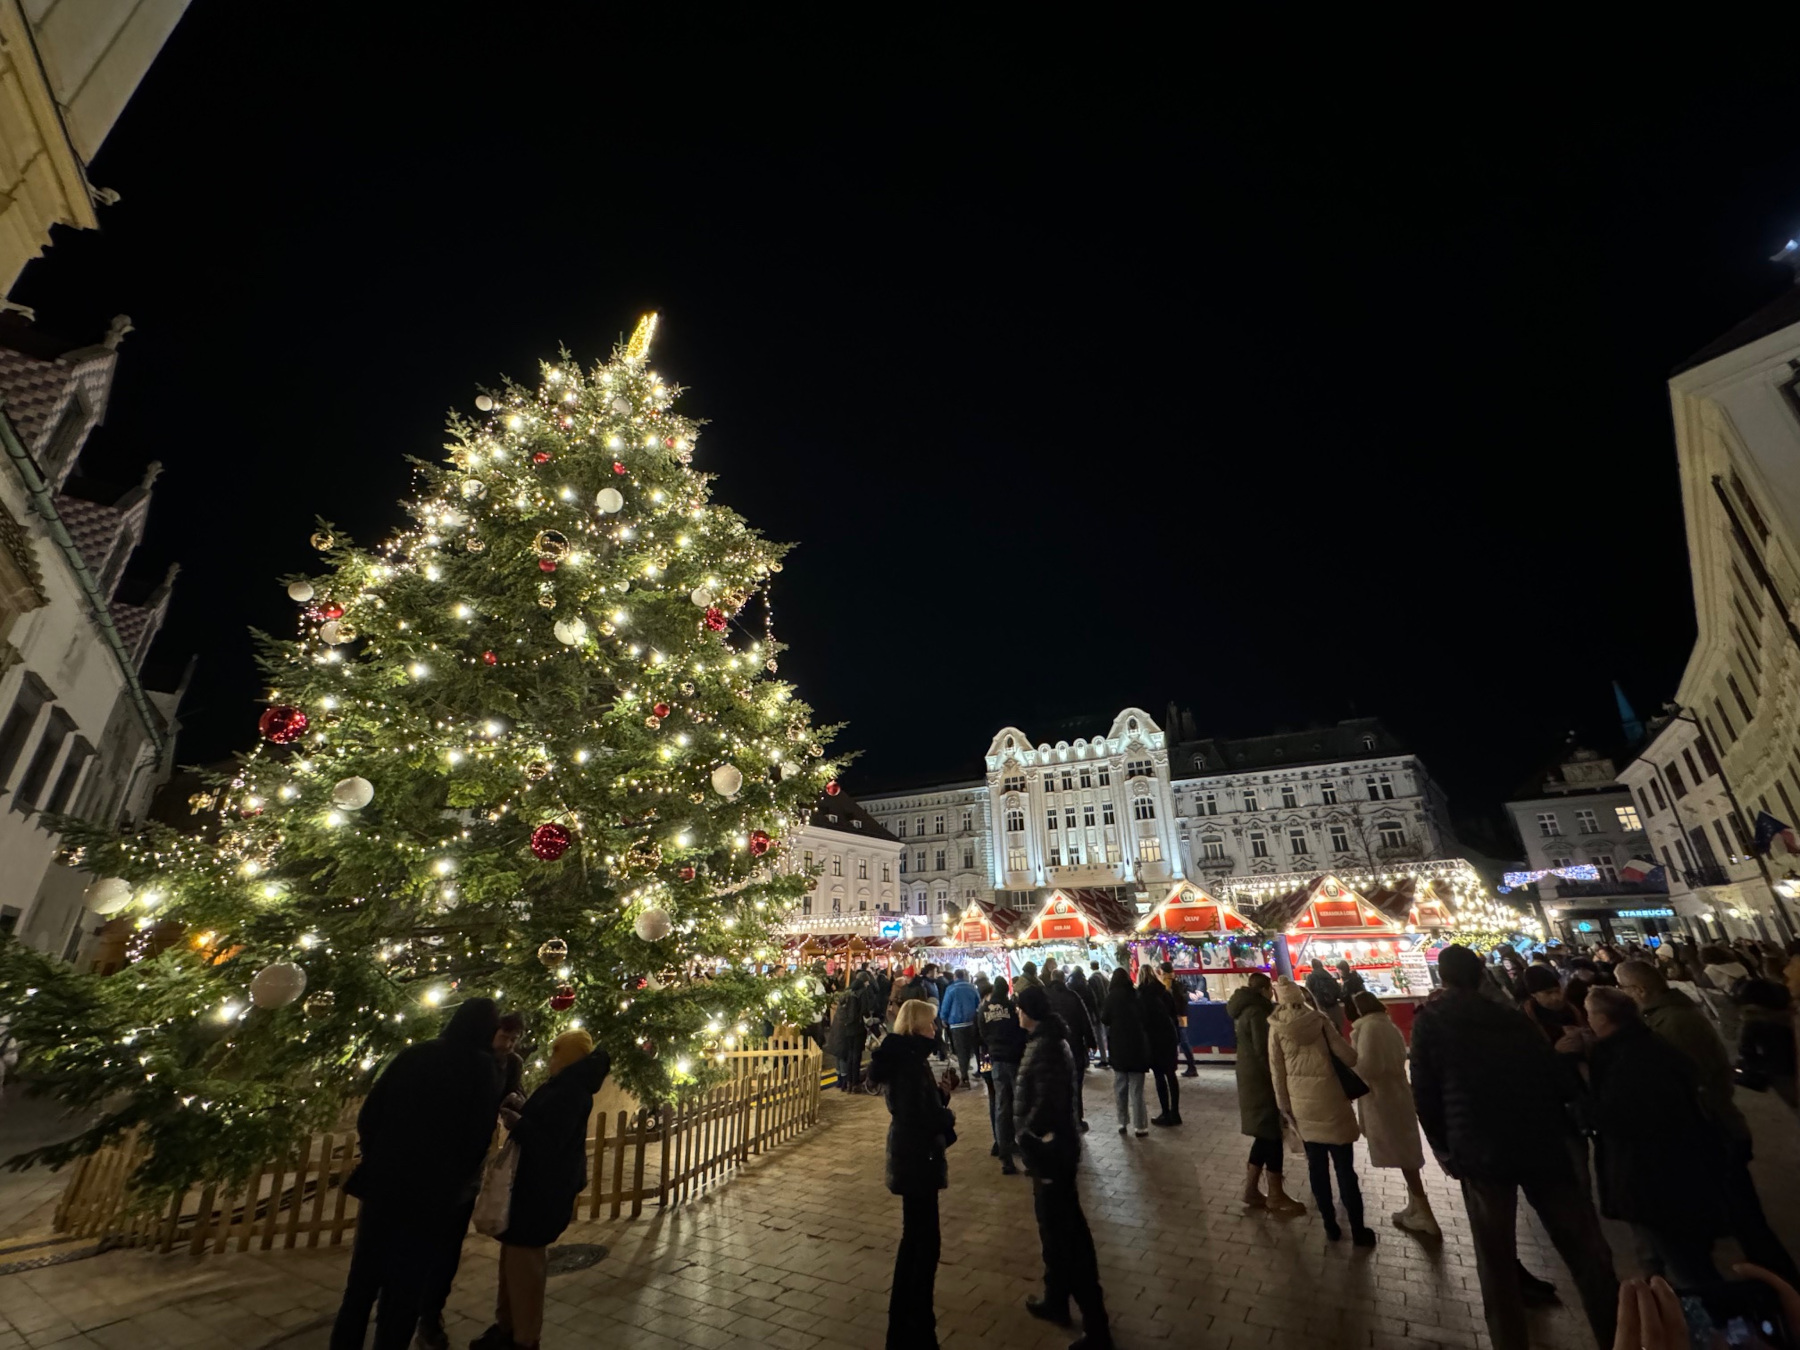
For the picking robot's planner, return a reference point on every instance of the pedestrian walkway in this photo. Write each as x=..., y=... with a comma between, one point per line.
x=796, y=1253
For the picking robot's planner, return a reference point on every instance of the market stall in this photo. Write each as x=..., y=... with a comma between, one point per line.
x=1077, y=924
x=1374, y=932
x=979, y=942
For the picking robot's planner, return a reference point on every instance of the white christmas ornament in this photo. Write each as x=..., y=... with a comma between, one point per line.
x=569, y=632
x=789, y=769
x=332, y=631
x=109, y=895
x=277, y=985
x=726, y=780
x=621, y=406
x=300, y=591
x=652, y=925
x=352, y=794
x=610, y=500
x=701, y=597
x=485, y=403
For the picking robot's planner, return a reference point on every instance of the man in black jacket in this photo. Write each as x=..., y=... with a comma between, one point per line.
x=998, y=1027
x=1067, y=1005
x=1050, y=1139
x=425, y=1127
x=1491, y=1104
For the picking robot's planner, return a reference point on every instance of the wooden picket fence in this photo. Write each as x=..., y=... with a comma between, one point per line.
x=668, y=1156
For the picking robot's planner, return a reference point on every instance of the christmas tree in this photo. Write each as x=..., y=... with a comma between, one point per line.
x=532, y=748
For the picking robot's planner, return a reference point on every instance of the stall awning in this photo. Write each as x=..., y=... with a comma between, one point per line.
x=986, y=924
x=1189, y=909
x=1081, y=913
x=1326, y=907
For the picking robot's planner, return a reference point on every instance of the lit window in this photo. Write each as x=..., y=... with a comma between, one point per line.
x=1628, y=818
x=1150, y=848
x=1015, y=860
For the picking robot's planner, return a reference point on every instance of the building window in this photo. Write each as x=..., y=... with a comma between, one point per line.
x=1050, y=819
x=1393, y=834
x=806, y=904
x=1340, y=839
x=1661, y=801
x=19, y=724
x=1208, y=802
x=1296, y=841
x=1106, y=813
x=1259, y=844
x=1015, y=860
x=1250, y=799
x=919, y=900
x=968, y=819
x=1139, y=768
x=1694, y=774
x=1087, y=776
x=1585, y=822
x=1087, y=815
x=1212, y=848
x=837, y=866
x=1150, y=849
x=1055, y=856
x=1015, y=821
x=1738, y=694
x=1548, y=825
x=1068, y=780
x=1069, y=818
x=1628, y=818
x=76, y=760
x=1112, y=850
x=862, y=905
x=943, y=900
x=1074, y=853
x=902, y=862
x=921, y=860
x=806, y=861
x=940, y=860
x=968, y=856
x=1105, y=773
x=1013, y=783
x=1288, y=799
x=1328, y=794
x=837, y=904
x=1368, y=742
x=1049, y=785
x=886, y=872
x=1562, y=862
x=1676, y=786
x=1380, y=786
x=937, y=824
x=1730, y=730
x=919, y=826
x=862, y=869
x=1604, y=861
x=900, y=828
x=1144, y=808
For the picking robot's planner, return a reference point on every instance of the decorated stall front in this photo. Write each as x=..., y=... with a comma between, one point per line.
x=1373, y=931
x=979, y=942
x=1077, y=924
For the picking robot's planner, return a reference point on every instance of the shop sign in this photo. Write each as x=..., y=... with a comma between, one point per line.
x=1664, y=913
x=893, y=928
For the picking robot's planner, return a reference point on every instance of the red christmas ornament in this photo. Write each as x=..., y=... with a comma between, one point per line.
x=331, y=611
x=490, y=658
x=563, y=999
x=661, y=710
x=759, y=842
x=541, y=457
x=715, y=618
x=647, y=1045
x=832, y=789
x=687, y=874
x=282, y=724
x=550, y=841
x=546, y=564
x=618, y=467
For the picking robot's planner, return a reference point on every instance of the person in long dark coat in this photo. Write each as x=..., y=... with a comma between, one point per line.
x=1163, y=1027
x=424, y=1130
x=1128, y=1051
x=1646, y=1105
x=922, y=1127
x=845, y=1043
x=550, y=1131
x=1078, y=1031
x=1258, y=1115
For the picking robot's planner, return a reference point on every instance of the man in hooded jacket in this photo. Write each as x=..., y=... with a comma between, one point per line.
x=1050, y=1140
x=425, y=1128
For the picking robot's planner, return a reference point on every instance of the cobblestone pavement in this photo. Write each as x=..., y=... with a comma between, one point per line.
x=796, y=1252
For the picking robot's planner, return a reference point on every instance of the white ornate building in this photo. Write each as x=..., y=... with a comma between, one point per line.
x=1128, y=811
x=856, y=863
x=79, y=733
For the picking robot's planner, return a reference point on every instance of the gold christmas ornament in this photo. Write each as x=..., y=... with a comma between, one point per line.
x=687, y=686
x=551, y=543
x=644, y=855
x=553, y=953
x=653, y=721
x=474, y=543
x=322, y=541
x=547, y=595
x=537, y=769
x=771, y=665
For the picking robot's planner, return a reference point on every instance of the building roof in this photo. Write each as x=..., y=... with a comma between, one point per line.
x=1780, y=313
x=844, y=814
x=1285, y=749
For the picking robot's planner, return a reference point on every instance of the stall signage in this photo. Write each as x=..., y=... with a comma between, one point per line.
x=893, y=928
x=1663, y=913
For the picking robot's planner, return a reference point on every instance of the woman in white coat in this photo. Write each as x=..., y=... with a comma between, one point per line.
x=1389, y=1122
x=1302, y=1044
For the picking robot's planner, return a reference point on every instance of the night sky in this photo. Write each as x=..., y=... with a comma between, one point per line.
x=1079, y=385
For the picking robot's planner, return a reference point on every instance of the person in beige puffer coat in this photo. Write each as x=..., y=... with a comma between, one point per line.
x=1301, y=1045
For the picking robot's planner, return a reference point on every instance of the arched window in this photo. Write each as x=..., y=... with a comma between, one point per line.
x=1368, y=742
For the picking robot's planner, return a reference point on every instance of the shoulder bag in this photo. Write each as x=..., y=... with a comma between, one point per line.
x=1348, y=1078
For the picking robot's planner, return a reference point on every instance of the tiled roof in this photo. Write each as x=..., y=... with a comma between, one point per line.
x=843, y=814
x=1104, y=909
x=1285, y=749
x=93, y=526
x=130, y=620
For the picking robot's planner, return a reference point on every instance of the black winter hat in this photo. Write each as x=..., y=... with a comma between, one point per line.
x=1540, y=978
x=1034, y=1002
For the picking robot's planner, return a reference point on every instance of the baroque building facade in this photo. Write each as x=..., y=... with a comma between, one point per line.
x=1130, y=810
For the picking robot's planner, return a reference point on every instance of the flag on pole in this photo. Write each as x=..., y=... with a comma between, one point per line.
x=1639, y=869
x=1768, y=830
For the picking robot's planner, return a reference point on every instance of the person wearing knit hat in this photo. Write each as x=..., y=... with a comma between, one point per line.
x=1303, y=1045
x=550, y=1133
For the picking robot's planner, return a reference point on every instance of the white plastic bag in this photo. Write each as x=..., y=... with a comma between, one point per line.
x=493, y=1207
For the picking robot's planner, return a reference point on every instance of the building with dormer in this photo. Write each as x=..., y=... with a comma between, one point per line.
x=1128, y=813
x=854, y=862
x=79, y=732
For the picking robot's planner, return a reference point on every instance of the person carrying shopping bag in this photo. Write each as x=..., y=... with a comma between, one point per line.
x=549, y=1134
x=1313, y=1069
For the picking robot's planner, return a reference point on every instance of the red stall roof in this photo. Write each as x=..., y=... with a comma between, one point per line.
x=1189, y=909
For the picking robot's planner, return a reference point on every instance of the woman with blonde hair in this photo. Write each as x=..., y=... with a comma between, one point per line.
x=1389, y=1121
x=550, y=1132
x=1310, y=1092
x=922, y=1127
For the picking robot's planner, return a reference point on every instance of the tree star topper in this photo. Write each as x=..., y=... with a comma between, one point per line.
x=641, y=337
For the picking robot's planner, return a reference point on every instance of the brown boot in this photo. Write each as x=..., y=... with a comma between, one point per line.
x=1280, y=1202
x=1253, y=1197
